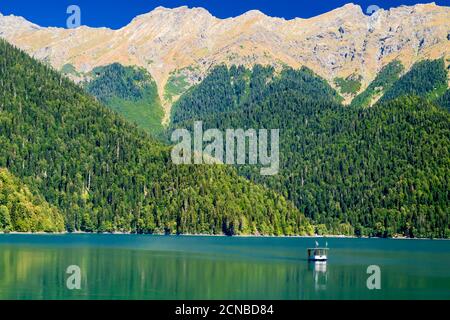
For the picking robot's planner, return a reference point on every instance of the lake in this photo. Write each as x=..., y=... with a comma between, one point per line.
x=159, y=267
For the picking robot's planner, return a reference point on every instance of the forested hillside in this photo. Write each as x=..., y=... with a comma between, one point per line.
x=21, y=210
x=444, y=100
x=382, y=83
x=426, y=79
x=228, y=89
x=131, y=91
x=104, y=174
x=378, y=171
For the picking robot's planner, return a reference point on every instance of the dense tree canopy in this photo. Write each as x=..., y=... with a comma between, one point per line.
x=104, y=174
x=21, y=210
x=444, y=100
x=385, y=79
x=378, y=171
x=70, y=162
x=426, y=79
x=130, y=91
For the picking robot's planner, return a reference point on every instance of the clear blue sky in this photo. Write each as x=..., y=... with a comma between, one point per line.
x=117, y=13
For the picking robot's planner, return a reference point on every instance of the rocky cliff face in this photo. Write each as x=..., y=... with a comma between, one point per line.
x=185, y=42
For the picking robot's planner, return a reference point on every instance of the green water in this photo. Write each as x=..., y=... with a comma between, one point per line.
x=157, y=267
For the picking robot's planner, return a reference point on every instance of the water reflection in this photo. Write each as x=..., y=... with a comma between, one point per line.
x=320, y=274
x=136, y=267
x=128, y=274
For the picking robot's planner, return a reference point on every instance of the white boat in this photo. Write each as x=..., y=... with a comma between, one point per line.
x=318, y=254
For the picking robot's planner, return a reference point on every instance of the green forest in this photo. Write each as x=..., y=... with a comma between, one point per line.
x=427, y=79
x=25, y=211
x=385, y=79
x=381, y=171
x=130, y=91
x=444, y=100
x=104, y=174
x=90, y=157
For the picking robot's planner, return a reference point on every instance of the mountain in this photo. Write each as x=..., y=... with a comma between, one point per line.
x=180, y=46
x=426, y=79
x=387, y=77
x=379, y=171
x=130, y=91
x=361, y=103
x=103, y=174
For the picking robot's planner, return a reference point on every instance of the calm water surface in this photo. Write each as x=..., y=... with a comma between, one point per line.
x=157, y=267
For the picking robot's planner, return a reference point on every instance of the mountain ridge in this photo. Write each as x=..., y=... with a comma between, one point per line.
x=187, y=42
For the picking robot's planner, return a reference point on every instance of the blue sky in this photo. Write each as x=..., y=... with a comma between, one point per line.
x=117, y=13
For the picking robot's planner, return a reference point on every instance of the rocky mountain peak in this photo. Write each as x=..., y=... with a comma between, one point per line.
x=12, y=24
x=350, y=10
x=253, y=14
x=187, y=42
x=184, y=12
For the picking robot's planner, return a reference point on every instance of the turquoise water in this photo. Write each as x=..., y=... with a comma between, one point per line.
x=158, y=267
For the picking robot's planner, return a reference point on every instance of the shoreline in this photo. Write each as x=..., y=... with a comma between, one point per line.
x=213, y=236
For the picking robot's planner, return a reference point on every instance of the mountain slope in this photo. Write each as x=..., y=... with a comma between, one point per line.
x=131, y=92
x=185, y=43
x=377, y=171
x=228, y=89
x=23, y=211
x=383, y=82
x=426, y=79
x=104, y=174
x=444, y=100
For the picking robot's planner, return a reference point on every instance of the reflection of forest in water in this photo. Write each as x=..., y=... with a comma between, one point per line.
x=125, y=274
x=320, y=275
x=39, y=272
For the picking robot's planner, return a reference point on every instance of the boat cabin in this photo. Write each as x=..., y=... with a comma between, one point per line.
x=318, y=254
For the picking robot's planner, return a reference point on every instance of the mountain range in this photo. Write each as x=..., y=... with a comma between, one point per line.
x=178, y=47
x=66, y=155
x=362, y=104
